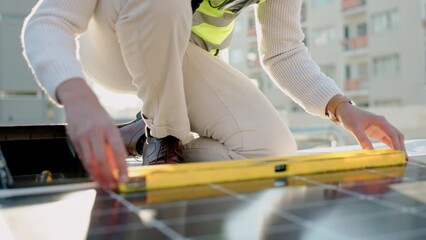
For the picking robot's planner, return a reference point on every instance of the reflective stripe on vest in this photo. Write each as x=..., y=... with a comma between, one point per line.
x=214, y=21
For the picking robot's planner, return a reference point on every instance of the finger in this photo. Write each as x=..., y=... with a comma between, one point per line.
x=119, y=154
x=362, y=139
x=98, y=143
x=383, y=132
x=97, y=172
x=386, y=140
x=89, y=162
x=392, y=134
x=402, y=141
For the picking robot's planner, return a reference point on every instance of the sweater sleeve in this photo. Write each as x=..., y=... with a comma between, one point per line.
x=287, y=60
x=49, y=40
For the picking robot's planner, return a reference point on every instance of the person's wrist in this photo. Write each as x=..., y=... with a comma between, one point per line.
x=74, y=90
x=342, y=109
x=334, y=104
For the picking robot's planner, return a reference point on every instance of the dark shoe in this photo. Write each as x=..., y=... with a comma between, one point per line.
x=161, y=150
x=133, y=134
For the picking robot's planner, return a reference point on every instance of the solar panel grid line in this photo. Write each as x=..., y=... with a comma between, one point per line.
x=360, y=196
x=179, y=203
x=206, y=217
x=292, y=218
x=411, y=234
x=414, y=174
x=186, y=198
x=413, y=211
x=134, y=234
x=385, y=227
x=219, y=228
x=375, y=171
x=316, y=204
x=310, y=203
x=366, y=216
x=283, y=230
x=331, y=205
x=404, y=206
x=106, y=212
x=378, y=215
x=421, y=164
x=178, y=220
x=188, y=218
x=196, y=219
x=155, y=223
x=288, y=216
x=197, y=238
x=333, y=187
x=102, y=230
x=272, y=230
x=373, y=199
x=417, y=164
x=309, y=225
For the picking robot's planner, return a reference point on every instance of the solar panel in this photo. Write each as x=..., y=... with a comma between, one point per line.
x=378, y=203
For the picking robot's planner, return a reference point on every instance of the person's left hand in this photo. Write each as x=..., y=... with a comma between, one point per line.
x=364, y=125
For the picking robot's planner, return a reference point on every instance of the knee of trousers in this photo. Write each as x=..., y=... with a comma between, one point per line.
x=263, y=143
x=171, y=11
x=282, y=144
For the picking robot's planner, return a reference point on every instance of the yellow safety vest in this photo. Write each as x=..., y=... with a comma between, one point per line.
x=214, y=21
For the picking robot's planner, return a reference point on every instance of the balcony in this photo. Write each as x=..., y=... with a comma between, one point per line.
x=356, y=43
x=356, y=84
x=350, y=4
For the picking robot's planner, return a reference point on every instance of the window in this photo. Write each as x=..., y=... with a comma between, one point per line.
x=348, y=74
x=363, y=70
x=385, y=21
x=324, y=36
x=346, y=32
x=362, y=29
x=387, y=66
x=357, y=71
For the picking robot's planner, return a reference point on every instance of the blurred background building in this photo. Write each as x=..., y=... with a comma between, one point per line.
x=21, y=101
x=374, y=49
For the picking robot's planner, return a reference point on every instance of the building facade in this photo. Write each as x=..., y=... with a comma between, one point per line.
x=373, y=49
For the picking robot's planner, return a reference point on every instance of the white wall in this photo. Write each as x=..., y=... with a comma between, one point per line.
x=21, y=101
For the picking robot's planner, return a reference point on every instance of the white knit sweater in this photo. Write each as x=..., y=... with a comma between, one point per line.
x=50, y=31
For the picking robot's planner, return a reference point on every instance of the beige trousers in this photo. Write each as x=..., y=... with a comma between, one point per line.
x=143, y=46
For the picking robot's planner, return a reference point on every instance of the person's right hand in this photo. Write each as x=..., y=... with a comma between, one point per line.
x=93, y=133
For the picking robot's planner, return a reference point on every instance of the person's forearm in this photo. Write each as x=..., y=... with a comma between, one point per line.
x=74, y=90
x=288, y=61
x=48, y=39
